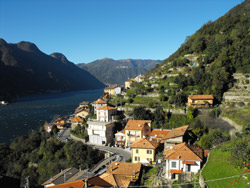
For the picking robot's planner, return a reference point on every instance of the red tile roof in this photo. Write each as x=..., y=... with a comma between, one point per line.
x=76, y=119
x=136, y=124
x=99, y=101
x=184, y=152
x=188, y=162
x=159, y=132
x=94, y=182
x=174, y=171
x=144, y=144
x=196, y=97
x=180, y=131
x=106, y=108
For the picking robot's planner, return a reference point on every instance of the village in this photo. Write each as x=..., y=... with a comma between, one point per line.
x=168, y=150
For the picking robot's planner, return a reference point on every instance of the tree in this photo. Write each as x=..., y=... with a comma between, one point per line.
x=141, y=113
x=159, y=117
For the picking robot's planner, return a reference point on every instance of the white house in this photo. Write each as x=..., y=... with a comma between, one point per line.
x=117, y=90
x=183, y=159
x=105, y=113
x=100, y=133
x=139, y=78
x=101, y=130
x=99, y=103
x=120, y=139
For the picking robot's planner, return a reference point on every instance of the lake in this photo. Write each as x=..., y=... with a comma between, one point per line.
x=29, y=112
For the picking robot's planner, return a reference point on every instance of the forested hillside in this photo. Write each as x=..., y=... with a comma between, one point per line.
x=111, y=71
x=25, y=69
x=211, y=55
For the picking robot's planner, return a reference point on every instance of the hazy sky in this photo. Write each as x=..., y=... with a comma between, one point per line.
x=86, y=30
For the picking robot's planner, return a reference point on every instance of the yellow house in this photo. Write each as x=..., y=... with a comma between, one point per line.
x=111, y=89
x=143, y=151
x=136, y=129
x=200, y=100
x=81, y=112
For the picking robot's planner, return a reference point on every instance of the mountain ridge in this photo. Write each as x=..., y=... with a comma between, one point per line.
x=111, y=71
x=25, y=69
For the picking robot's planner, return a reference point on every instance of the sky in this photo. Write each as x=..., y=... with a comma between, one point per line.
x=86, y=30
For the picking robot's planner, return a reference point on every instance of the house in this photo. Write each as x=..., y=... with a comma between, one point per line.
x=61, y=177
x=175, y=136
x=105, y=113
x=120, y=139
x=76, y=121
x=183, y=159
x=99, y=103
x=128, y=84
x=200, y=101
x=113, y=90
x=48, y=128
x=100, y=132
x=136, y=129
x=143, y=151
x=81, y=112
x=139, y=78
x=84, y=104
x=60, y=123
x=159, y=134
x=122, y=174
x=94, y=182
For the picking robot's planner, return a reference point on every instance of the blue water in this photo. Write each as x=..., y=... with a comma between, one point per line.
x=28, y=113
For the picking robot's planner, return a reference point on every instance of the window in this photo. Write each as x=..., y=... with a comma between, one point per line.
x=137, y=158
x=173, y=164
x=149, y=151
x=147, y=130
x=188, y=168
x=137, y=151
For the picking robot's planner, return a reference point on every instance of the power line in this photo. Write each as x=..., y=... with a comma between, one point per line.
x=218, y=179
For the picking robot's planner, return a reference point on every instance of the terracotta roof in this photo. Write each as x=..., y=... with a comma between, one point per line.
x=159, y=132
x=174, y=171
x=124, y=168
x=145, y=144
x=76, y=119
x=116, y=180
x=99, y=101
x=136, y=124
x=120, y=174
x=200, y=97
x=106, y=108
x=94, y=182
x=58, y=178
x=180, y=131
x=112, y=87
x=184, y=152
x=188, y=162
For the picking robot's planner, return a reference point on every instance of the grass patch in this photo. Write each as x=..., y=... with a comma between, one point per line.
x=150, y=176
x=220, y=166
x=239, y=115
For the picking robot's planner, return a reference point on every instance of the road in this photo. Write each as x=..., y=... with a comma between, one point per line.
x=124, y=153
x=64, y=134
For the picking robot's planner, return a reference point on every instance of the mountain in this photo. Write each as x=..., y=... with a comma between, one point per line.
x=207, y=60
x=111, y=71
x=25, y=69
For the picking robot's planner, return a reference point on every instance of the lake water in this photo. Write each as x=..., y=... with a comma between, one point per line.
x=30, y=112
